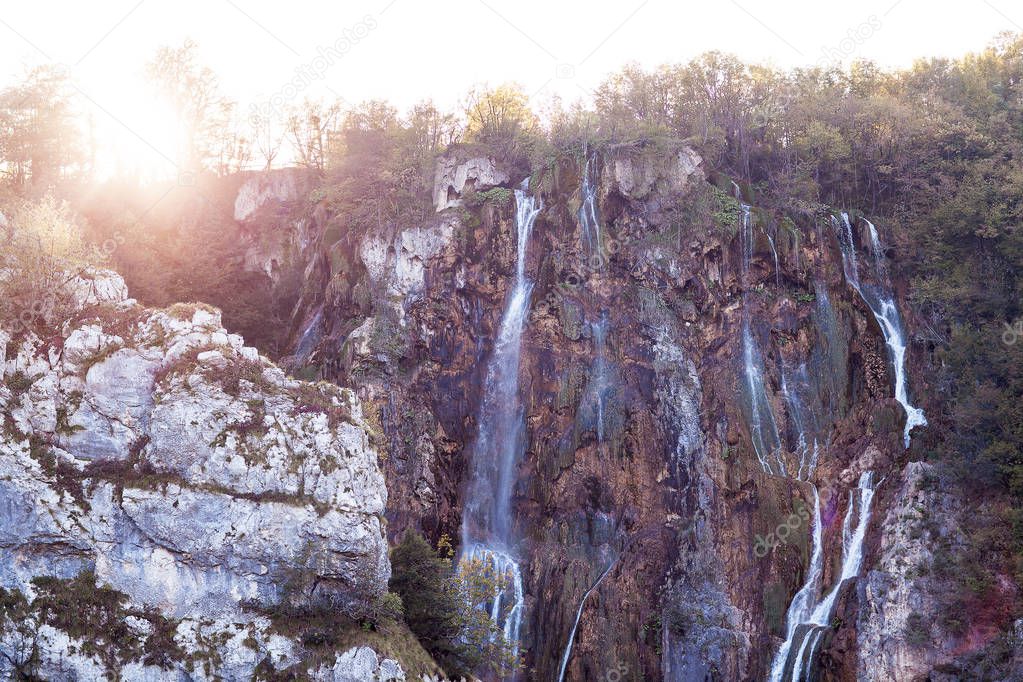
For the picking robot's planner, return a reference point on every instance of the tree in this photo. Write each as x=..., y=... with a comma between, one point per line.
x=421, y=578
x=39, y=140
x=443, y=607
x=269, y=136
x=311, y=128
x=42, y=250
x=193, y=91
x=498, y=116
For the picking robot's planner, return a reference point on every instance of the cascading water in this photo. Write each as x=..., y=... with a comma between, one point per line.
x=763, y=429
x=601, y=383
x=802, y=604
x=588, y=219
x=310, y=337
x=807, y=620
x=802, y=420
x=578, y=615
x=487, y=521
x=762, y=425
x=882, y=304
x=774, y=252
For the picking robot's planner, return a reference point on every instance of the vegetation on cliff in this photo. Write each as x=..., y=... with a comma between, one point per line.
x=932, y=153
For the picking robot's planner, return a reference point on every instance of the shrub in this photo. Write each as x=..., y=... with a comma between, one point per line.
x=95, y=616
x=42, y=251
x=917, y=633
x=442, y=607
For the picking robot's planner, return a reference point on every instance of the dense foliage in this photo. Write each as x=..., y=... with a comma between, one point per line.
x=443, y=607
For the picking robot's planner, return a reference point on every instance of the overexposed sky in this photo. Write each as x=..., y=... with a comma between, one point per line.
x=407, y=50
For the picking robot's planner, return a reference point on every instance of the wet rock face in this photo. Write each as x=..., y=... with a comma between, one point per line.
x=158, y=452
x=639, y=453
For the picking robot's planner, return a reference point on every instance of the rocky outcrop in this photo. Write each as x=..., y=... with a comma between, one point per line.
x=639, y=176
x=454, y=176
x=155, y=453
x=896, y=629
x=273, y=188
x=904, y=629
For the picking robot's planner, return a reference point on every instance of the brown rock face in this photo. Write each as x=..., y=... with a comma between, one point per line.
x=641, y=467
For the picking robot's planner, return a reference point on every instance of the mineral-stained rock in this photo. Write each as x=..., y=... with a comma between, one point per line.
x=637, y=176
x=899, y=638
x=636, y=455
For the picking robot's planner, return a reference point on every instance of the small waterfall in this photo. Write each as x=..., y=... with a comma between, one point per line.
x=877, y=251
x=578, y=615
x=588, y=219
x=801, y=608
x=849, y=262
x=882, y=304
x=509, y=600
x=487, y=520
x=806, y=621
x=802, y=421
x=746, y=237
x=311, y=336
x=601, y=382
x=763, y=428
x=774, y=252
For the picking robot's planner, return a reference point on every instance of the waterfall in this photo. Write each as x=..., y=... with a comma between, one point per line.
x=802, y=420
x=763, y=428
x=578, y=615
x=802, y=604
x=501, y=440
x=600, y=382
x=509, y=600
x=774, y=252
x=877, y=250
x=882, y=304
x=806, y=621
x=311, y=336
x=588, y=220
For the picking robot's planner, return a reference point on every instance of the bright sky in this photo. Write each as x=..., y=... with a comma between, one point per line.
x=407, y=50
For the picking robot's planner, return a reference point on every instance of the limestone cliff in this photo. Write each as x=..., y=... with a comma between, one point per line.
x=175, y=487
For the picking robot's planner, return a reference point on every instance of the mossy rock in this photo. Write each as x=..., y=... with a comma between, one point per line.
x=572, y=319
x=775, y=606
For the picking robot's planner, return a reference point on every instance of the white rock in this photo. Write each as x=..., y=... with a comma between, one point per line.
x=259, y=190
x=451, y=177
x=259, y=486
x=362, y=664
x=636, y=176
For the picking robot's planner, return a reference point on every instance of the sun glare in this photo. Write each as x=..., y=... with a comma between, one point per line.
x=137, y=134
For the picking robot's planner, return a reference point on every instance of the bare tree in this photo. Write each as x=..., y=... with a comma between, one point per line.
x=194, y=92
x=310, y=129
